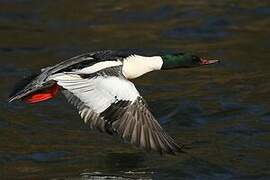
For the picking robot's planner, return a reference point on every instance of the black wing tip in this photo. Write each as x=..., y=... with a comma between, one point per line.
x=177, y=150
x=174, y=150
x=180, y=149
x=20, y=85
x=11, y=99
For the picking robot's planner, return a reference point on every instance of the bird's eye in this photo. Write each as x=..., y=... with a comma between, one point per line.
x=196, y=59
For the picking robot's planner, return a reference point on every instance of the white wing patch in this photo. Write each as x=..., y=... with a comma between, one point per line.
x=99, y=66
x=98, y=93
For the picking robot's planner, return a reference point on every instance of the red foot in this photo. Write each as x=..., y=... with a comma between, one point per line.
x=43, y=95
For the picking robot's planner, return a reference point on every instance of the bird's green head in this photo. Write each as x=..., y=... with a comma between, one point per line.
x=184, y=60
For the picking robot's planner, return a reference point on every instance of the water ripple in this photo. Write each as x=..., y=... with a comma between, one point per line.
x=159, y=14
x=213, y=29
x=35, y=157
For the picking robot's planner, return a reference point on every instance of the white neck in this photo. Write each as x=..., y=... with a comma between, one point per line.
x=135, y=65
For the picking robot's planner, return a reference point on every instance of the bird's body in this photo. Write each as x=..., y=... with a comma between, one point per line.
x=97, y=85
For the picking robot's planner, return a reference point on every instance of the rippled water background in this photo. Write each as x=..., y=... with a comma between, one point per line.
x=221, y=112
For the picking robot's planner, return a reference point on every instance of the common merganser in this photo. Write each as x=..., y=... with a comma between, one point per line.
x=97, y=85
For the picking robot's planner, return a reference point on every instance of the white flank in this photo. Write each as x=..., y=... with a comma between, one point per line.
x=99, y=66
x=135, y=65
x=100, y=92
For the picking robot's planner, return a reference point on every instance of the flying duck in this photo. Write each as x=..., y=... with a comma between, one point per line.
x=97, y=84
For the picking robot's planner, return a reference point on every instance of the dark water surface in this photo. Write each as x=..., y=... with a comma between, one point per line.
x=221, y=112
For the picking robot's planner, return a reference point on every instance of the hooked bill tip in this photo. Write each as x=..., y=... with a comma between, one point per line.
x=214, y=61
x=205, y=61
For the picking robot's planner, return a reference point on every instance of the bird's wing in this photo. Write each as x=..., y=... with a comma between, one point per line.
x=110, y=103
x=86, y=63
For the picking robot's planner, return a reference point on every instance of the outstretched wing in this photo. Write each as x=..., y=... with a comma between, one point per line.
x=110, y=103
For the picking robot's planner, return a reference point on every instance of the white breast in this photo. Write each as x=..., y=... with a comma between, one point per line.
x=135, y=66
